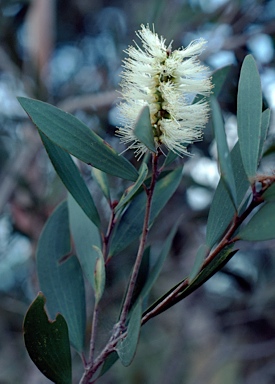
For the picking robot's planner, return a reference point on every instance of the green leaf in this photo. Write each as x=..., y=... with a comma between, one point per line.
x=130, y=226
x=76, y=138
x=270, y=150
x=157, y=268
x=264, y=129
x=132, y=190
x=47, y=342
x=171, y=156
x=222, y=209
x=99, y=275
x=142, y=276
x=200, y=256
x=218, y=79
x=140, y=282
x=60, y=276
x=261, y=226
x=71, y=178
x=249, y=112
x=102, y=181
x=143, y=129
x=214, y=266
x=108, y=363
x=85, y=235
x=223, y=151
x=269, y=194
x=126, y=348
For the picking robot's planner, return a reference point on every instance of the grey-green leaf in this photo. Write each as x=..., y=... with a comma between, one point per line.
x=214, y=266
x=155, y=272
x=130, y=226
x=269, y=194
x=71, y=178
x=143, y=129
x=108, y=363
x=126, y=349
x=264, y=129
x=261, y=226
x=218, y=79
x=100, y=276
x=222, y=209
x=102, y=180
x=76, y=138
x=47, y=342
x=60, y=276
x=85, y=235
x=142, y=276
x=249, y=111
x=171, y=156
x=132, y=190
x=200, y=256
x=223, y=151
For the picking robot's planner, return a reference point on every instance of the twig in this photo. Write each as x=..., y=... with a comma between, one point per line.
x=93, y=333
x=92, y=102
x=129, y=295
x=18, y=165
x=106, y=238
x=174, y=296
x=92, y=367
x=119, y=331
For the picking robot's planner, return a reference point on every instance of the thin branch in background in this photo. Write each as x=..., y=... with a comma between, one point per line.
x=18, y=165
x=89, y=103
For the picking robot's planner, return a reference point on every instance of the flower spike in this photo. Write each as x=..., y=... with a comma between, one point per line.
x=165, y=80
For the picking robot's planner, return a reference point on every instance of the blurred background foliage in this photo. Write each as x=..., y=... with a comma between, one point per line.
x=69, y=53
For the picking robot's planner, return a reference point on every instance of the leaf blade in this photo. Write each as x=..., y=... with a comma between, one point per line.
x=71, y=178
x=48, y=342
x=100, y=276
x=261, y=226
x=143, y=129
x=223, y=151
x=62, y=282
x=218, y=79
x=102, y=181
x=264, y=130
x=126, y=349
x=85, y=235
x=249, y=111
x=155, y=272
x=130, y=226
x=269, y=194
x=222, y=209
x=214, y=266
x=76, y=138
x=134, y=188
x=200, y=256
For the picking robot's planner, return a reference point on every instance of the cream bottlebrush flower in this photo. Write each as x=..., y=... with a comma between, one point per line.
x=165, y=80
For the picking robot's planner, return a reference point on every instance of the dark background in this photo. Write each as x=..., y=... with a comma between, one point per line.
x=69, y=53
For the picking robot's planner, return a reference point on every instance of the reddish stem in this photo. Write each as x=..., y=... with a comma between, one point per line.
x=133, y=279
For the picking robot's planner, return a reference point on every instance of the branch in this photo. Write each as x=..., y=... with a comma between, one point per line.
x=176, y=293
x=133, y=279
x=120, y=331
